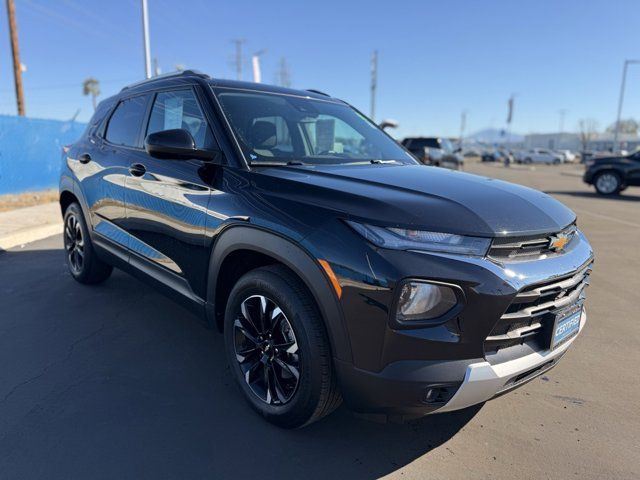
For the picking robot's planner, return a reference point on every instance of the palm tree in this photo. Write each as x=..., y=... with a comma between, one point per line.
x=91, y=86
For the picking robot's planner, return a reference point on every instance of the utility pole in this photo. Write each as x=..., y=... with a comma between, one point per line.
x=621, y=100
x=374, y=83
x=562, y=112
x=255, y=62
x=463, y=124
x=283, y=77
x=510, y=105
x=17, y=66
x=238, y=61
x=145, y=38
x=156, y=67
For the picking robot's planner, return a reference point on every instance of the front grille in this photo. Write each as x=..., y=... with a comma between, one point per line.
x=509, y=249
x=530, y=316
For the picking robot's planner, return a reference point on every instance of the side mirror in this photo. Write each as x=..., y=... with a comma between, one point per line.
x=175, y=144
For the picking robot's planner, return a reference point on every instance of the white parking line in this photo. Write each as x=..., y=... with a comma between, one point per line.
x=606, y=217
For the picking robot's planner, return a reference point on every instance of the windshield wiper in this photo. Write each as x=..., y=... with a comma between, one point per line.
x=374, y=161
x=277, y=164
x=377, y=161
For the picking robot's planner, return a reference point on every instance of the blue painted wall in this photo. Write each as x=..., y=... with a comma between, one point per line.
x=31, y=152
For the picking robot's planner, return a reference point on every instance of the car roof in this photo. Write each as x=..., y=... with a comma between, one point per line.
x=188, y=77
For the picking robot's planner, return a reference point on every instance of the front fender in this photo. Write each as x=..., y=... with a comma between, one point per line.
x=244, y=237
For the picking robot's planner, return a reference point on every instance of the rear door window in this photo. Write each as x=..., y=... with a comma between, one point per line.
x=125, y=123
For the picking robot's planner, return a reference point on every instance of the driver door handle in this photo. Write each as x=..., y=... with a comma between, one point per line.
x=137, y=170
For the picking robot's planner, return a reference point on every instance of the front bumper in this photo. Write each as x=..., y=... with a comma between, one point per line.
x=394, y=369
x=483, y=381
x=400, y=390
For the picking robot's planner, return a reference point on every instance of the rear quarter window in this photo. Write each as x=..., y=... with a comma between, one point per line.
x=126, y=121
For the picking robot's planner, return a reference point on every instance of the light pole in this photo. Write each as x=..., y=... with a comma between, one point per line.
x=145, y=38
x=621, y=99
x=255, y=63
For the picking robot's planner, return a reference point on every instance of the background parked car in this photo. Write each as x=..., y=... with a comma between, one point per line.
x=611, y=175
x=541, y=155
x=490, y=156
x=519, y=155
x=434, y=151
x=567, y=155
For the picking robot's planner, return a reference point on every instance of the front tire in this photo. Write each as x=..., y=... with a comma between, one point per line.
x=84, y=266
x=607, y=183
x=278, y=349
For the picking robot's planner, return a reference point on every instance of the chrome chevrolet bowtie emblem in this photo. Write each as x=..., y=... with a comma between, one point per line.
x=558, y=242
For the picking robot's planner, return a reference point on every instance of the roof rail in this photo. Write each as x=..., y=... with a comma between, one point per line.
x=313, y=90
x=183, y=73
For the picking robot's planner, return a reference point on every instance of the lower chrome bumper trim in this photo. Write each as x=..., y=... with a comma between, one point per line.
x=482, y=381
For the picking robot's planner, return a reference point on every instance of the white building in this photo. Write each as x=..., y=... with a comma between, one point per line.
x=601, y=142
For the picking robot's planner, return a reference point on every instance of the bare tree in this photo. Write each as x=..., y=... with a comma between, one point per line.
x=588, y=129
x=628, y=126
x=91, y=86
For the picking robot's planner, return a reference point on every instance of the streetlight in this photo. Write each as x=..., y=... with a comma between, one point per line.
x=624, y=79
x=145, y=39
x=255, y=63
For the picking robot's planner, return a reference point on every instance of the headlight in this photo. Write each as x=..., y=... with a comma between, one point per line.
x=405, y=239
x=424, y=301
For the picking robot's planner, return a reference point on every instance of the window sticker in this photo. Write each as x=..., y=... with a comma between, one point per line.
x=325, y=135
x=173, y=113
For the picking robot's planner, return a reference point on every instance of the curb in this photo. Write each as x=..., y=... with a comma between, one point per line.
x=29, y=235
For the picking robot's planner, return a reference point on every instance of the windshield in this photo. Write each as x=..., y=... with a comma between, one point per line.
x=274, y=128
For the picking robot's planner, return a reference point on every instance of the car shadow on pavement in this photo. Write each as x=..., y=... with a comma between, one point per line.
x=116, y=381
x=624, y=196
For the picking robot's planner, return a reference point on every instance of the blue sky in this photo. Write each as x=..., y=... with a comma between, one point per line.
x=436, y=59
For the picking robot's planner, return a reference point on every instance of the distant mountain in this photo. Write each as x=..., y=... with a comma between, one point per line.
x=495, y=135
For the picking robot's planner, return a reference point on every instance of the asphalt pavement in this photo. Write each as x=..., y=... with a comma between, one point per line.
x=116, y=381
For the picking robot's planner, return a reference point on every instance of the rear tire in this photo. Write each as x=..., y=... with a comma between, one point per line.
x=278, y=349
x=84, y=266
x=608, y=183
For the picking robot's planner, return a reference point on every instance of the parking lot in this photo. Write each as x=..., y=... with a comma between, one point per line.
x=117, y=381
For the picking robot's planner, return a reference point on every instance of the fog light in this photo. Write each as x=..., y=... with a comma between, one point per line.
x=424, y=301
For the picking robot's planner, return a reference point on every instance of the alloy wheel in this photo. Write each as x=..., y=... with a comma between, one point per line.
x=607, y=183
x=74, y=244
x=267, y=350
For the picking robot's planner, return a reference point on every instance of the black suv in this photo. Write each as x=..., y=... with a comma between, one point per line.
x=335, y=265
x=613, y=174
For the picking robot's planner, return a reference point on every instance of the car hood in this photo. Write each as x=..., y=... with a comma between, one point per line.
x=420, y=197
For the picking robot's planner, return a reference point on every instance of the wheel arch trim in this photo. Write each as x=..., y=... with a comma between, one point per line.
x=242, y=237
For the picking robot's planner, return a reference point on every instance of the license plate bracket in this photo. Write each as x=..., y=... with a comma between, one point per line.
x=566, y=325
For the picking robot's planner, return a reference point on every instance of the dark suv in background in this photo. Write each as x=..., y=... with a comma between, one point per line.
x=334, y=264
x=612, y=174
x=435, y=151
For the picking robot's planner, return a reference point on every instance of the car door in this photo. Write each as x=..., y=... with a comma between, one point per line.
x=105, y=168
x=167, y=199
x=633, y=172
